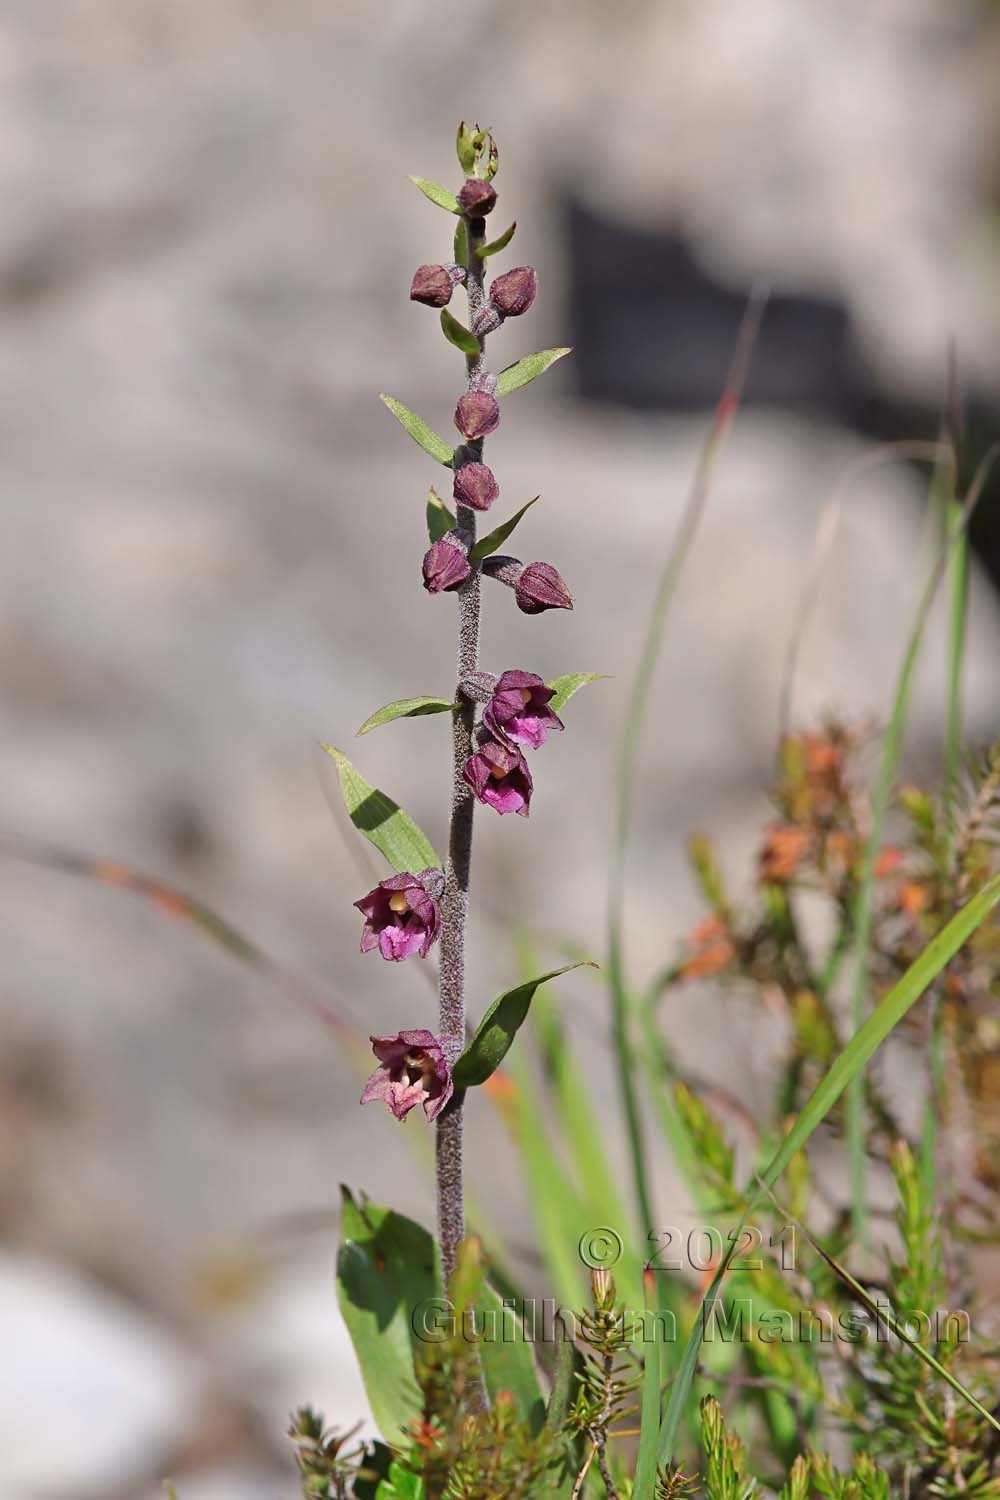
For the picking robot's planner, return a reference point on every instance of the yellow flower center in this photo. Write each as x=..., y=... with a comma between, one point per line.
x=398, y=902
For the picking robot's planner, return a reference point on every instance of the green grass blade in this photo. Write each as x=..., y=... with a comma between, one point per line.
x=628, y=749
x=848, y=1066
x=863, y=907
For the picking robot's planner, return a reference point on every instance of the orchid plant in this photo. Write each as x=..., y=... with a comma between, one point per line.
x=496, y=718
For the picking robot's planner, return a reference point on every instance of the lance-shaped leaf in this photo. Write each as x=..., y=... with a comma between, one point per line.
x=527, y=369
x=500, y=243
x=419, y=431
x=386, y=1274
x=497, y=1029
x=436, y=194
x=439, y=518
x=506, y=1358
x=565, y=687
x=381, y=821
x=407, y=708
x=456, y=333
x=494, y=540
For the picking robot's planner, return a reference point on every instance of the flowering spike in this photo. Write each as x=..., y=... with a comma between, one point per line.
x=446, y=562
x=412, y=1070
x=402, y=915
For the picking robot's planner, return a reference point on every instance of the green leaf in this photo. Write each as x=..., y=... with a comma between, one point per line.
x=566, y=686
x=381, y=821
x=507, y=1357
x=407, y=708
x=456, y=333
x=465, y=149
x=498, y=244
x=439, y=518
x=399, y=1484
x=385, y=1270
x=494, y=540
x=852, y=1060
x=461, y=243
x=419, y=431
x=438, y=195
x=527, y=369
x=497, y=1030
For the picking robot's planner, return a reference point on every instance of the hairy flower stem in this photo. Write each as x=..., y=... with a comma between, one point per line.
x=455, y=901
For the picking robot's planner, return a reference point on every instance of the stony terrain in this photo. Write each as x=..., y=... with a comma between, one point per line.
x=209, y=564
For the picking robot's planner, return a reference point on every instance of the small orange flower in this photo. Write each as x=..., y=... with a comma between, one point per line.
x=912, y=898
x=783, y=850
x=888, y=862
x=712, y=950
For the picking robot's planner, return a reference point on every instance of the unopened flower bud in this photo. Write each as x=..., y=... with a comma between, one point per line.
x=446, y=563
x=477, y=414
x=433, y=285
x=475, y=486
x=536, y=586
x=514, y=292
x=540, y=587
x=477, y=198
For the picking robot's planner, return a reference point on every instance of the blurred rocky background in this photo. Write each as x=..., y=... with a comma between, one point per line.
x=209, y=563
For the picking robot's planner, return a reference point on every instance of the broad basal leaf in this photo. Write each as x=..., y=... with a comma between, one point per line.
x=566, y=686
x=456, y=333
x=381, y=821
x=439, y=518
x=436, y=194
x=494, y=540
x=527, y=369
x=419, y=431
x=386, y=1269
x=407, y=708
x=497, y=1030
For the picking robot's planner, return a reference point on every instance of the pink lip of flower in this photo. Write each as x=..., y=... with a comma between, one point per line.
x=412, y=1070
x=402, y=915
x=519, y=712
x=498, y=775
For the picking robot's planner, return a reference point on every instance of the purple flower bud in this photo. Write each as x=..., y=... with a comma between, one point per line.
x=499, y=777
x=486, y=321
x=536, y=587
x=477, y=414
x=514, y=292
x=475, y=486
x=540, y=587
x=412, y=1070
x=477, y=198
x=446, y=563
x=402, y=916
x=433, y=285
x=519, y=712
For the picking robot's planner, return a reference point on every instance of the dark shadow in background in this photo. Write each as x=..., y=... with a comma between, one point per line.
x=652, y=331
